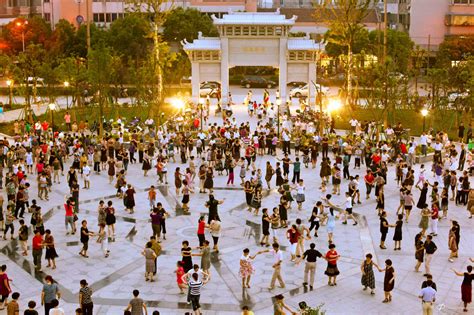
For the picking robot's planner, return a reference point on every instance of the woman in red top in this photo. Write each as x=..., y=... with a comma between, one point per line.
x=200, y=232
x=179, y=277
x=331, y=271
x=292, y=235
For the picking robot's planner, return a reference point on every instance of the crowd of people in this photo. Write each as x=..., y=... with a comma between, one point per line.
x=350, y=165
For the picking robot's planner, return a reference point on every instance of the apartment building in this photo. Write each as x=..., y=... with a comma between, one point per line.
x=433, y=20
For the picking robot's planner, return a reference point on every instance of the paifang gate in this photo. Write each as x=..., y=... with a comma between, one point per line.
x=253, y=39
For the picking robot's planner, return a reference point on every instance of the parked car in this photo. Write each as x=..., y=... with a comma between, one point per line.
x=35, y=82
x=210, y=88
x=303, y=91
x=296, y=84
x=257, y=82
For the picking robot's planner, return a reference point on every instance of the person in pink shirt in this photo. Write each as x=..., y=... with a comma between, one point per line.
x=67, y=120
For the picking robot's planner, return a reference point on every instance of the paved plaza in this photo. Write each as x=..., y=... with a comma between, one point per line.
x=113, y=279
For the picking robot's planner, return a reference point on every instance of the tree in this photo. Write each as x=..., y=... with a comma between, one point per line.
x=334, y=49
x=399, y=48
x=185, y=24
x=157, y=12
x=64, y=40
x=455, y=48
x=129, y=37
x=344, y=18
x=33, y=31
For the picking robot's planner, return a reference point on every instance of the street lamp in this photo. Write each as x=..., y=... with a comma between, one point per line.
x=177, y=102
x=200, y=106
x=66, y=85
x=278, y=102
x=22, y=25
x=334, y=104
x=10, y=93
x=424, y=113
x=52, y=107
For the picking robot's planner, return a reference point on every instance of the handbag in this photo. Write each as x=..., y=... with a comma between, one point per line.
x=75, y=217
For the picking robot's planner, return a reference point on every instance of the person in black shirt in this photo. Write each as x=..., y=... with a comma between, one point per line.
x=430, y=249
x=310, y=267
x=85, y=234
x=384, y=229
x=265, y=227
x=429, y=279
x=212, y=204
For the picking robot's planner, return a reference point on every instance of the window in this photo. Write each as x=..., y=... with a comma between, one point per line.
x=253, y=31
x=463, y=1
x=238, y=31
x=47, y=17
x=278, y=30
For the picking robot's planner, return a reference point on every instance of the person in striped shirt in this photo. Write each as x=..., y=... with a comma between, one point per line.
x=195, y=285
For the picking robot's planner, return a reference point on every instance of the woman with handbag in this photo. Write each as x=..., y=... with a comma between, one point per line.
x=69, y=216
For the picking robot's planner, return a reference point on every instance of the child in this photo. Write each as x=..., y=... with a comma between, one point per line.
x=13, y=308
x=152, y=197
x=31, y=309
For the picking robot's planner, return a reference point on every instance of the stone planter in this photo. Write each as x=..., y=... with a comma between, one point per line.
x=423, y=159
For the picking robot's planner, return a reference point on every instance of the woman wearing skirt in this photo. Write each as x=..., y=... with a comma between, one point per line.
x=368, y=277
x=466, y=286
x=300, y=197
x=331, y=271
x=50, y=250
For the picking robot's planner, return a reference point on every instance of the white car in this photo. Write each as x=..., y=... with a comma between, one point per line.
x=303, y=91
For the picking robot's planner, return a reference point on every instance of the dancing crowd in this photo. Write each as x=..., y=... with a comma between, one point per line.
x=350, y=166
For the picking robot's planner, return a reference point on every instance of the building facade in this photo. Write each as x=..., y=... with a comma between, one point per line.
x=433, y=20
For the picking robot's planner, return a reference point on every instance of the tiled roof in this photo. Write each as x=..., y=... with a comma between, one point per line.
x=302, y=44
x=202, y=44
x=261, y=18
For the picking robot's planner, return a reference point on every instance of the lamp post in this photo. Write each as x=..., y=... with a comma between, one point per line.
x=424, y=113
x=22, y=25
x=52, y=107
x=66, y=85
x=200, y=107
x=10, y=93
x=278, y=102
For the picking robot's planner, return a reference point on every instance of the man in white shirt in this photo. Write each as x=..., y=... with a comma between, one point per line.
x=437, y=146
x=278, y=259
x=86, y=171
x=353, y=123
x=411, y=155
x=286, y=142
x=270, y=115
x=424, y=143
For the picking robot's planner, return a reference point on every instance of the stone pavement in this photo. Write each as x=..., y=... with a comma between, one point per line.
x=113, y=279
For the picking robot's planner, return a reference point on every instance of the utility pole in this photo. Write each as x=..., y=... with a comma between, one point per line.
x=385, y=27
x=384, y=60
x=88, y=26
